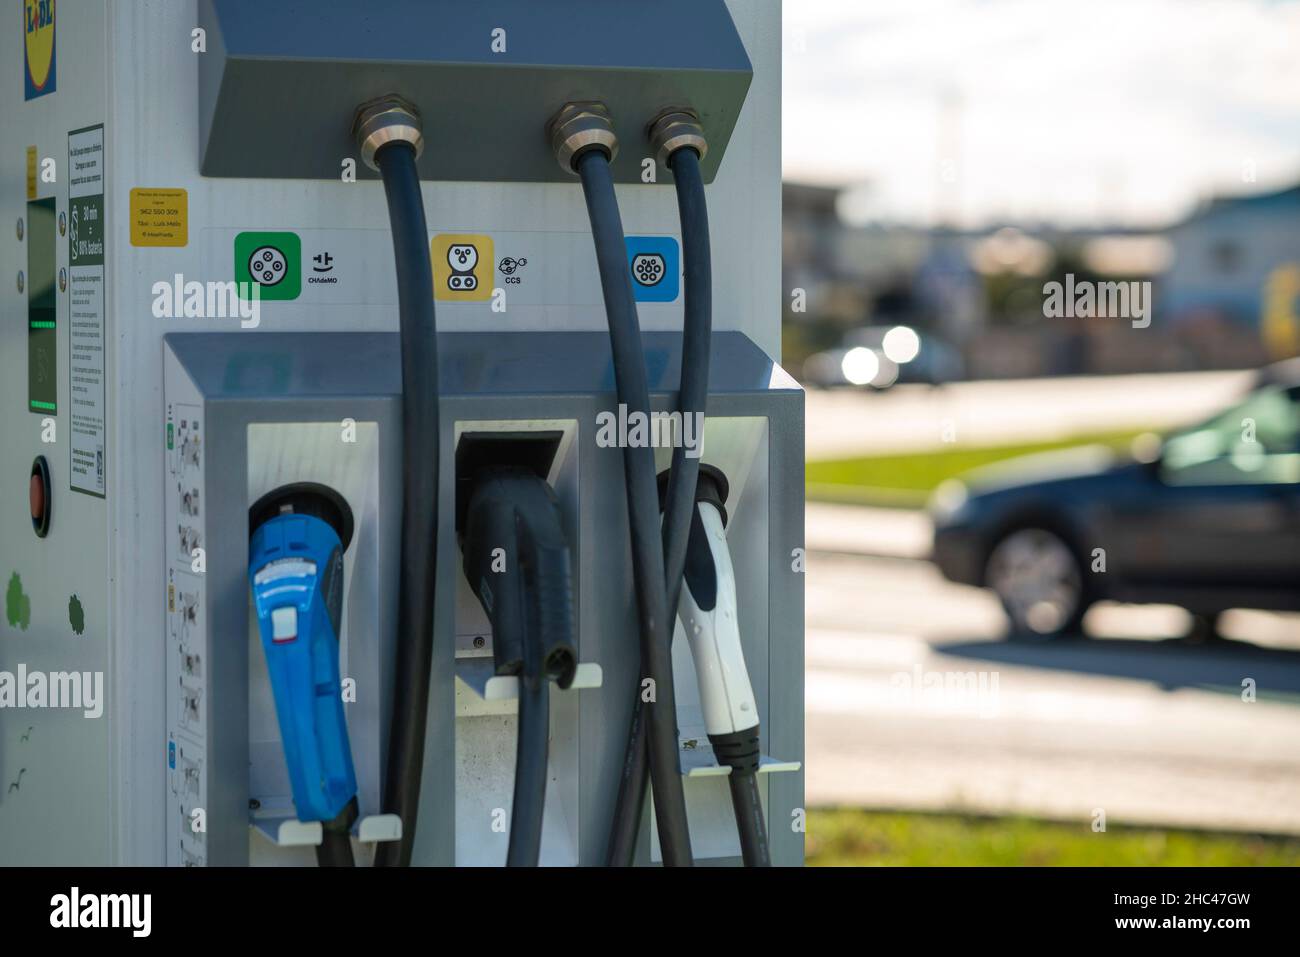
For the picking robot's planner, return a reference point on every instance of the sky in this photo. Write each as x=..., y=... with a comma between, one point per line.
x=1110, y=112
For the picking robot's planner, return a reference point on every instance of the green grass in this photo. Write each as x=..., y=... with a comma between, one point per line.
x=855, y=838
x=905, y=480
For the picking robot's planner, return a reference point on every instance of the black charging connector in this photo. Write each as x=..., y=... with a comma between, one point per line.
x=516, y=560
x=478, y=452
x=503, y=502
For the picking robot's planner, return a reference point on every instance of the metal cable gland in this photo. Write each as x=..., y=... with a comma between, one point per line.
x=384, y=120
x=579, y=127
x=675, y=129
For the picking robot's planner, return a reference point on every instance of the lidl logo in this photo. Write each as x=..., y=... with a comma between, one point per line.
x=273, y=260
x=38, y=48
x=462, y=267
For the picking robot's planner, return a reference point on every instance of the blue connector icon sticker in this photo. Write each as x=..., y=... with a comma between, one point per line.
x=656, y=266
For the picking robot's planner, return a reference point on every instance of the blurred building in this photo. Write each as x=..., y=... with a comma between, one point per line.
x=1235, y=264
x=843, y=270
x=812, y=239
x=1226, y=287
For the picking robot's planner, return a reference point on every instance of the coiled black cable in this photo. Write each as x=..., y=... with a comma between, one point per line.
x=697, y=337
x=419, y=547
x=654, y=617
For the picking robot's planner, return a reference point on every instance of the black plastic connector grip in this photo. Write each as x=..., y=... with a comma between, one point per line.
x=516, y=560
x=552, y=594
x=738, y=750
x=491, y=563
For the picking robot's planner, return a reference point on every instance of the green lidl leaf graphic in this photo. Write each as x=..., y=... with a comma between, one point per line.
x=18, y=606
x=76, y=615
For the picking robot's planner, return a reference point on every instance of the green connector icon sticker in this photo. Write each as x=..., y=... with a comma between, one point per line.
x=273, y=260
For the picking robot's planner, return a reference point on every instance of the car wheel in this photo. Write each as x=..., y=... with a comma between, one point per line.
x=1038, y=578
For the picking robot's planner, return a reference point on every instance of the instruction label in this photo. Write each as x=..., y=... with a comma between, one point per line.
x=86, y=236
x=160, y=217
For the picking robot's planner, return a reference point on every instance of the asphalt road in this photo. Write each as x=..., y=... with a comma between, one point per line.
x=915, y=700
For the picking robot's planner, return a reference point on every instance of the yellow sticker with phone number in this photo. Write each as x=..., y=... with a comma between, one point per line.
x=160, y=217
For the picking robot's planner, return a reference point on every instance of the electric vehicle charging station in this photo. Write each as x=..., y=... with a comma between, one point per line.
x=177, y=412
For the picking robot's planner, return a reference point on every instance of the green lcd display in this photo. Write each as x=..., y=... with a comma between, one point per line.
x=42, y=371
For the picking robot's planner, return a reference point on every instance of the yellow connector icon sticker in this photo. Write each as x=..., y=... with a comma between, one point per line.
x=462, y=267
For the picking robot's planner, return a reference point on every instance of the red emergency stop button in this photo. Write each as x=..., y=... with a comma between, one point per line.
x=39, y=496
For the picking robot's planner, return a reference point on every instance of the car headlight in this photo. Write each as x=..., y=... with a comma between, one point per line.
x=948, y=502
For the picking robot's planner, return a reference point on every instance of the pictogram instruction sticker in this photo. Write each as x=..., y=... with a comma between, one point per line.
x=160, y=217
x=273, y=260
x=656, y=264
x=462, y=267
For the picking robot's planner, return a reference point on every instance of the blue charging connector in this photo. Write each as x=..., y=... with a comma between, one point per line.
x=296, y=572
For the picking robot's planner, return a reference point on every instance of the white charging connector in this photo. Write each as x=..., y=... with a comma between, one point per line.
x=707, y=609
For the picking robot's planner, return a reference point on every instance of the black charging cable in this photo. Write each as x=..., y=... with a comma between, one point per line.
x=654, y=618
x=419, y=546
x=335, y=848
x=697, y=335
x=516, y=560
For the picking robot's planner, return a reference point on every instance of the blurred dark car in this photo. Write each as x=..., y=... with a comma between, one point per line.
x=1208, y=519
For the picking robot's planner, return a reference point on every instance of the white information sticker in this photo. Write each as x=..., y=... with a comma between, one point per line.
x=86, y=238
